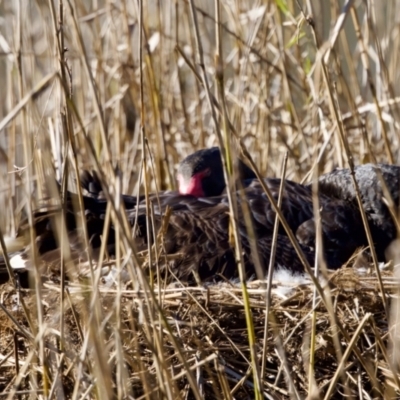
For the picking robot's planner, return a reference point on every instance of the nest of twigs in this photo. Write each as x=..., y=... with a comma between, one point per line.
x=135, y=86
x=153, y=345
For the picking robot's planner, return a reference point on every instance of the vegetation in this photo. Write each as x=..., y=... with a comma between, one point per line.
x=136, y=86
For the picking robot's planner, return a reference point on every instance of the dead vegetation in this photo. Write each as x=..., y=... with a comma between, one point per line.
x=209, y=327
x=138, y=86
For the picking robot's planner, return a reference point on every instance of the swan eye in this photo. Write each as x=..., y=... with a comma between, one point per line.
x=206, y=172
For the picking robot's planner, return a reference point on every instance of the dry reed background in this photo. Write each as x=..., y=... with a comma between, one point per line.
x=77, y=98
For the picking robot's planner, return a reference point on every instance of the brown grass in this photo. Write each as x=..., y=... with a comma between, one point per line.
x=96, y=94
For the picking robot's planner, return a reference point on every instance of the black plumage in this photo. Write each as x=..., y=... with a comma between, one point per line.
x=197, y=235
x=198, y=230
x=371, y=180
x=202, y=173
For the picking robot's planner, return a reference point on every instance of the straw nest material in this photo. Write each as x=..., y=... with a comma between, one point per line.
x=205, y=328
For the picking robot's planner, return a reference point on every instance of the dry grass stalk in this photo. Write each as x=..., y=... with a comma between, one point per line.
x=96, y=85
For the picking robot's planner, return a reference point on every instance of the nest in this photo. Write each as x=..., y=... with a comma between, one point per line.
x=194, y=341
